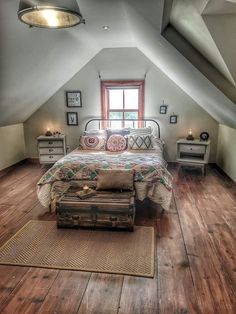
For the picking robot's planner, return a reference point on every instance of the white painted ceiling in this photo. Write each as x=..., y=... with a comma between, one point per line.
x=35, y=63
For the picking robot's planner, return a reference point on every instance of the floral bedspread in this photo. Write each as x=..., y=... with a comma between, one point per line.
x=149, y=168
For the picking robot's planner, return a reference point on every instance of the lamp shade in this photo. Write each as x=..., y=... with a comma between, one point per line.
x=50, y=14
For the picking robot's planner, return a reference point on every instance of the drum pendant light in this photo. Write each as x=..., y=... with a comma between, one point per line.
x=50, y=13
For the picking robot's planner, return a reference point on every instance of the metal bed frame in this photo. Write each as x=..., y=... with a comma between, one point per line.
x=108, y=121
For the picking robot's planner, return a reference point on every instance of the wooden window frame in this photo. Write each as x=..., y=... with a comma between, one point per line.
x=106, y=85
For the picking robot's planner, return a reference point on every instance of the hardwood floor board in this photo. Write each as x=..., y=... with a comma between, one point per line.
x=17, y=176
x=9, y=278
x=66, y=293
x=31, y=291
x=224, y=244
x=7, y=212
x=102, y=294
x=213, y=292
x=176, y=288
x=9, y=229
x=19, y=191
x=139, y=295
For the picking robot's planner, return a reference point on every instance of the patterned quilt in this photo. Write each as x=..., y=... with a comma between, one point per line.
x=149, y=167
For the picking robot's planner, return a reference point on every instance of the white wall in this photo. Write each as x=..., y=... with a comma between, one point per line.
x=12, y=145
x=122, y=63
x=226, y=151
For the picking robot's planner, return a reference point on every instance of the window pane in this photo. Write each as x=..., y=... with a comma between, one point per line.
x=115, y=115
x=131, y=115
x=131, y=98
x=116, y=98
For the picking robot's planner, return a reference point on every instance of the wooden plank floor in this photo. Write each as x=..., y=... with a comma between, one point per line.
x=195, y=254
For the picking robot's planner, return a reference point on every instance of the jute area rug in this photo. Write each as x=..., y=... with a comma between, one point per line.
x=41, y=244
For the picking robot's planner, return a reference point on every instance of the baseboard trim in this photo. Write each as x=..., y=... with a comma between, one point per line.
x=33, y=160
x=224, y=174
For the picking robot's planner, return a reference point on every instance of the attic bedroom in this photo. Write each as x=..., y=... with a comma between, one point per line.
x=117, y=156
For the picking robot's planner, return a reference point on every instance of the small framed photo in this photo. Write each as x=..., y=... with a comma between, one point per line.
x=73, y=99
x=72, y=118
x=173, y=118
x=163, y=109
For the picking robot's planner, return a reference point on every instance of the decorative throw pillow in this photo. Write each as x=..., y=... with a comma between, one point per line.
x=140, y=141
x=92, y=142
x=141, y=131
x=109, y=179
x=116, y=143
x=123, y=132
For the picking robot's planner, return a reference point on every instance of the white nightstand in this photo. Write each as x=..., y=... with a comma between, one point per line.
x=51, y=148
x=193, y=153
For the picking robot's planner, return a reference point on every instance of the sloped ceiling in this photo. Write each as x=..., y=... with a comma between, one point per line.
x=35, y=63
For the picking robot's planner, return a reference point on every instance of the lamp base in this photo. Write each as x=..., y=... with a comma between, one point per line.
x=189, y=138
x=48, y=133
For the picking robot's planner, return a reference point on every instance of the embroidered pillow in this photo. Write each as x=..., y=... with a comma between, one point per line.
x=123, y=132
x=92, y=142
x=116, y=143
x=140, y=142
x=109, y=179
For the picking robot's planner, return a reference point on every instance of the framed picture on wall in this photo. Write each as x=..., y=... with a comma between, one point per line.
x=173, y=119
x=72, y=118
x=163, y=109
x=73, y=99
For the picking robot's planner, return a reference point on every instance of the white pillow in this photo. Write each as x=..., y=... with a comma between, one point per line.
x=140, y=141
x=141, y=131
x=95, y=132
x=157, y=143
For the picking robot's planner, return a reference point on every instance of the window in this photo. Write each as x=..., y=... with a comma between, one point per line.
x=122, y=100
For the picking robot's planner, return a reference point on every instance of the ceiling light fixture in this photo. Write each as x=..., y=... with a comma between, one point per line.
x=50, y=13
x=105, y=27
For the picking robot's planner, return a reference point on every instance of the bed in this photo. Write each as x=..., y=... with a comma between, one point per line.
x=136, y=146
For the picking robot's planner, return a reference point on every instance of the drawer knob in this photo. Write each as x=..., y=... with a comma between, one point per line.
x=50, y=143
x=191, y=148
x=50, y=156
x=51, y=149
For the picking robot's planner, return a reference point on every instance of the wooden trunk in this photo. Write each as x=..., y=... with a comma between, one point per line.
x=105, y=209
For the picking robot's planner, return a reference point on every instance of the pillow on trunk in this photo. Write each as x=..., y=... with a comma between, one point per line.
x=115, y=179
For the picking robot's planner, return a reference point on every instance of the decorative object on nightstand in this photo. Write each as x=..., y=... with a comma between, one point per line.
x=51, y=148
x=190, y=135
x=48, y=132
x=204, y=136
x=193, y=154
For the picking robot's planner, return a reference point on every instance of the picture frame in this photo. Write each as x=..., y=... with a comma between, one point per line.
x=163, y=109
x=72, y=118
x=173, y=119
x=73, y=99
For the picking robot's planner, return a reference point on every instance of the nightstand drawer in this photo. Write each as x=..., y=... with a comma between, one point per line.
x=51, y=143
x=49, y=158
x=196, y=149
x=51, y=150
